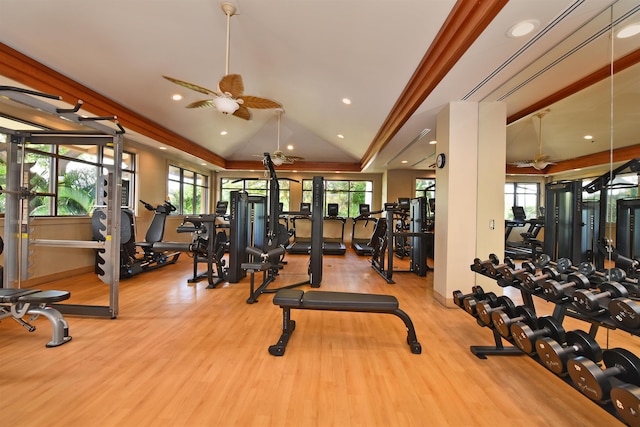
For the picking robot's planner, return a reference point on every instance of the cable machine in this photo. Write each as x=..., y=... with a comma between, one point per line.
x=17, y=228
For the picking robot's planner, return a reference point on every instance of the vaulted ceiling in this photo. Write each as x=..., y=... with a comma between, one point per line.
x=398, y=61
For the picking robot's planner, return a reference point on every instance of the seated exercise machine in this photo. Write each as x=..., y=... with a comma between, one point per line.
x=209, y=244
x=419, y=239
x=289, y=299
x=333, y=231
x=155, y=253
x=266, y=253
x=363, y=228
x=16, y=303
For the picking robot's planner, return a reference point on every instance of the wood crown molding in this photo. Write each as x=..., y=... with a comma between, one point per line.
x=467, y=20
x=25, y=70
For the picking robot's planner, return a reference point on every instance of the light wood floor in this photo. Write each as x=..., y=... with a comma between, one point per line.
x=184, y=355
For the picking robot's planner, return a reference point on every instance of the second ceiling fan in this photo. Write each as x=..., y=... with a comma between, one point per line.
x=229, y=98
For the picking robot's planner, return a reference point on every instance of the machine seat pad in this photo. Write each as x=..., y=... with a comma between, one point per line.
x=344, y=301
x=45, y=297
x=255, y=266
x=12, y=294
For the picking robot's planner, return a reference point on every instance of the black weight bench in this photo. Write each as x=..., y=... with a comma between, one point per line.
x=336, y=301
x=17, y=303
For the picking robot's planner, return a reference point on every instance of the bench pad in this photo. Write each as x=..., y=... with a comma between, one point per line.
x=341, y=301
x=45, y=297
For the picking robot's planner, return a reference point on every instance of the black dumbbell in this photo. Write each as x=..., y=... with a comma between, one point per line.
x=625, y=312
x=594, y=382
x=613, y=274
x=480, y=266
x=563, y=265
x=557, y=291
x=458, y=296
x=588, y=302
x=626, y=400
x=533, y=282
x=485, y=310
x=495, y=270
x=502, y=322
x=470, y=303
x=554, y=356
x=513, y=276
x=525, y=336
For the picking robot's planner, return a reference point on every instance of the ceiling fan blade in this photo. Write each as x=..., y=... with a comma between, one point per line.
x=232, y=83
x=259, y=103
x=242, y=112
x=207, y=103
x=192, y=86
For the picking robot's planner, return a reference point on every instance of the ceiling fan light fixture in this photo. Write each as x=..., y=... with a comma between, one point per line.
x=278, y=161
x=226, y=105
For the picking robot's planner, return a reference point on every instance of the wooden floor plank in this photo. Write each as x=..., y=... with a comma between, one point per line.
x=184, y=355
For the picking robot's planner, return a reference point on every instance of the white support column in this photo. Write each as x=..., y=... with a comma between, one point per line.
x=469, y=194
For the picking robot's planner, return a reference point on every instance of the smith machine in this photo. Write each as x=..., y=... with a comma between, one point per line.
x=17, y=224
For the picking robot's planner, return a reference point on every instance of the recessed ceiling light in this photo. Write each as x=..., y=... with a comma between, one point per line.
x=588, y=137
x=203, y=164
x=628, y=31
x=523, y=28
x=177, y=97
x=163, y=148
x=289, y=147
x=224, y=132
x=346, y=101
x=404, y=161
x=433, y=142
x=341, y=136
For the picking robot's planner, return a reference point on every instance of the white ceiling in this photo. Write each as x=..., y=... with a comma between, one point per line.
x=309, y=54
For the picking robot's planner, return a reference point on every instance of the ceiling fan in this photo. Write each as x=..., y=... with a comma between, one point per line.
x=278, y=157
x=229, y=98
x=540, y=161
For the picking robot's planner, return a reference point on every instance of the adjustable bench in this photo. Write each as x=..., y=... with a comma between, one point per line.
x=336, y=301
x=16, y=303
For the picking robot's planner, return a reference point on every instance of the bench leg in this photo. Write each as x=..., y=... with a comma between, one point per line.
x=60, y=327
x=288, y=326
x=412, y=339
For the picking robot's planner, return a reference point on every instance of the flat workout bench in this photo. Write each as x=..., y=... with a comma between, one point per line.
x=336, y=301
x=16, y=303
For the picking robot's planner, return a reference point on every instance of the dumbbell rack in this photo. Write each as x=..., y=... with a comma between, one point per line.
x=561, y=310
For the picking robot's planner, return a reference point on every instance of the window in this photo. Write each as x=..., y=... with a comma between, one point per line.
x=258, y=187
x=426, y=187
x=347, y=194
x=622, y=187
x=66, y=177
x=188, y=191
x=525, y=194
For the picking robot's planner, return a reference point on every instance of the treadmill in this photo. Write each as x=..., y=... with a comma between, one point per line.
x=363, y=226
x=333, y=232
x=301, y=225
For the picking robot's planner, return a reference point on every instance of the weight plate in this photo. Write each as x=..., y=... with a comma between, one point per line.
x=543, y=260
x=626, y=400
x=553, y=327
x=563, y=265
x=584, y=345
x=627, y=361
x=614, y=289
x=616, y=274
x=625, y=312
x=586, y=268
x=522, y=335
x=552, y=355
x=589, y=378
x=581, y=281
